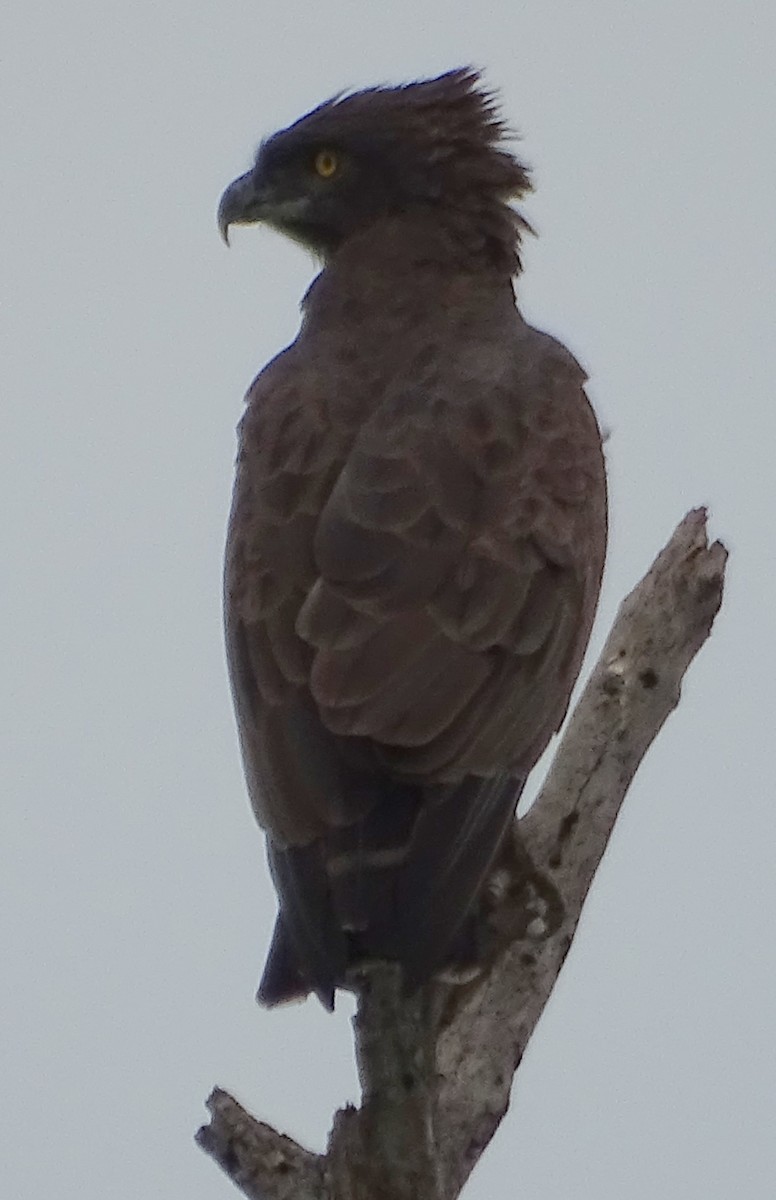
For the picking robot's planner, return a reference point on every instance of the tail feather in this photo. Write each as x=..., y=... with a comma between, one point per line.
x=444, y=874
x=397, y=885
x=282, y=980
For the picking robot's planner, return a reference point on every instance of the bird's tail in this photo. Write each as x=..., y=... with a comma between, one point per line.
x=397, y=885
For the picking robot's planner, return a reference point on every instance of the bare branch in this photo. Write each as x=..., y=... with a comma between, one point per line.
x=264, y=1164
x=424, y=1126
x=389, y=1150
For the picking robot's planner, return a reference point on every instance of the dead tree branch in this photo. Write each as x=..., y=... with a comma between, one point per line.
x=263, y=1163
x=436, y=1069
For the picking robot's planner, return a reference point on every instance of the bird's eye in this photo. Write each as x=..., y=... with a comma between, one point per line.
x=326, y=164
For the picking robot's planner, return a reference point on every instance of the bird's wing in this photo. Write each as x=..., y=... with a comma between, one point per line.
x=288, y=461
x=459, y=557
x=407, y=603
x=417, y=592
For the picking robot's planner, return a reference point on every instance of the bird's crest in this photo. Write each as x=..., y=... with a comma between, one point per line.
x=450, y=120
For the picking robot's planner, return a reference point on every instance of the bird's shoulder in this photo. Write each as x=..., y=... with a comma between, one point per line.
x=491, y=428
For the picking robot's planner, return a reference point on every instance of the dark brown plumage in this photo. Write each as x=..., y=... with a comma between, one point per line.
x=417, y=535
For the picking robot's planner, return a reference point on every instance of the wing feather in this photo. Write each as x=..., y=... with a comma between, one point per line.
x=408, y=596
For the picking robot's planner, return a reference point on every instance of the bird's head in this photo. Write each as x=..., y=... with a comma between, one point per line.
x=434, y=145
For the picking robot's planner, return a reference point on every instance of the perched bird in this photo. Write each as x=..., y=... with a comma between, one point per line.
x=417, y=534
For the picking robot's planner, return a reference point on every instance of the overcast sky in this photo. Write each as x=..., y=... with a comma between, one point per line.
x=134, y=897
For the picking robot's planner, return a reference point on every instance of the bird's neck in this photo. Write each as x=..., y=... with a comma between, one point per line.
x=411, y=261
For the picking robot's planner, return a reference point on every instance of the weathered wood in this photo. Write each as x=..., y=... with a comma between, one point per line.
x=264, y=1164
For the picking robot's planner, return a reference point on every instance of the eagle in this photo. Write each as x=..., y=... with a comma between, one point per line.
x=416, y=539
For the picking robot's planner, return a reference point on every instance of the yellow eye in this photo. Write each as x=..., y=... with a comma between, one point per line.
x=326, y=164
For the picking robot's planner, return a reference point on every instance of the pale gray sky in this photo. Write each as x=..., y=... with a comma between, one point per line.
x=135, y=902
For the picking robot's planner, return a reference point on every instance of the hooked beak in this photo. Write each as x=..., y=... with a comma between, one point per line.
x=243, y=203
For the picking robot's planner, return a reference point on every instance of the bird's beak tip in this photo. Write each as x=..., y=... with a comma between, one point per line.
x=235, y=204
x=224, y=220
